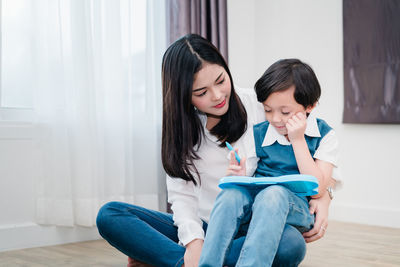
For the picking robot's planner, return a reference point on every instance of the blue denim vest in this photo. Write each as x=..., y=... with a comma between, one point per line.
x=276, y=159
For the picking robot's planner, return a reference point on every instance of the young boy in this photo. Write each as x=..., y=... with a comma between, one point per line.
x=290, y=141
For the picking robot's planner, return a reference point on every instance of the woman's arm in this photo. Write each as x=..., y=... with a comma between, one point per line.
x=184, y=204
x=319, y=207
x=193, y=252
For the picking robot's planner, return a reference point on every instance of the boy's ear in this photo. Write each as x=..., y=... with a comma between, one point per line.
x=311, y=107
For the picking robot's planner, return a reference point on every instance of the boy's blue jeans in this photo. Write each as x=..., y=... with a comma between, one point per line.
x=151, y=237
x=261, y=215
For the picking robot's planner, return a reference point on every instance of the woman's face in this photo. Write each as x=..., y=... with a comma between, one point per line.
x=211, y=92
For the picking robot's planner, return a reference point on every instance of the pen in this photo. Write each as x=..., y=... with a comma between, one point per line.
x=231, y=149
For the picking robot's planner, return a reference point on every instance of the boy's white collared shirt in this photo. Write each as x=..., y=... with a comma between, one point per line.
x=272, y=135
x=328, y=149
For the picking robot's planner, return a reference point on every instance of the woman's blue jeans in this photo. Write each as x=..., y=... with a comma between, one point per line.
x=258, y=213
x=151, y=237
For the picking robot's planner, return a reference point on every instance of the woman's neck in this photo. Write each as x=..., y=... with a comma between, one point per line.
x=212, y=121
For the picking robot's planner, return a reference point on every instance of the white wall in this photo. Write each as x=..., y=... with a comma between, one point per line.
x=261, y=32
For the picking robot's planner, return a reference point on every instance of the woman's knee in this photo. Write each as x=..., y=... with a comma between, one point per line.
x=106, y=216
x=292, y=248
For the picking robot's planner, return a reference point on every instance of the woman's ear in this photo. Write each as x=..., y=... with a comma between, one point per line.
x=311, y=107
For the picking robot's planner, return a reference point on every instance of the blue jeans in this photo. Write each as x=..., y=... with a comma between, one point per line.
x=260, y=215
x=150, y=236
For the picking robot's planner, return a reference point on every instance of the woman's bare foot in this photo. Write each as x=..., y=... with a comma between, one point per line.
x=136, y=263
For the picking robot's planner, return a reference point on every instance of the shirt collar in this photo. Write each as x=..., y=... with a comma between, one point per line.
x=272, y=135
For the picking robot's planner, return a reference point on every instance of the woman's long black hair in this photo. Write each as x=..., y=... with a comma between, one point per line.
x=182, y=130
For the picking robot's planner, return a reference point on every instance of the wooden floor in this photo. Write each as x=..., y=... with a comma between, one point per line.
x=343, y=245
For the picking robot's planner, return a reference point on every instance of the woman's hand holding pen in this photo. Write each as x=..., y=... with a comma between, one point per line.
x=235, y=168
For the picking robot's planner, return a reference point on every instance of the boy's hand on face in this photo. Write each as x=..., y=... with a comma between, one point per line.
x=234, y=168
x=296, y=126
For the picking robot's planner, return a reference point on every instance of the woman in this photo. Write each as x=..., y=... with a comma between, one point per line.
x=201, y=110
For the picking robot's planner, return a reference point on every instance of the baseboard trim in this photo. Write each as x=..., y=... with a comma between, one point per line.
x=30, y=235
x=365, y=215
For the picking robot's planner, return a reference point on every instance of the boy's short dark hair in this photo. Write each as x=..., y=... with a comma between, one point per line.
x=285, y=73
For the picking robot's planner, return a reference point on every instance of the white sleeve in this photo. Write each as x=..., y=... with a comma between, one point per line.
x=328, y=151
x=255, y=114
x=250, y=148
x=183, y=199
x=255, y=110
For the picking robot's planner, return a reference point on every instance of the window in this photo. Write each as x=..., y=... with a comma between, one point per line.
x=40, y=40
x=16, y=54
x=16, y=68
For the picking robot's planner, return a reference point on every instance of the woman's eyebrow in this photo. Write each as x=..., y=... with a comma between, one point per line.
x=219, y=76
x=199, y=89
x=202, y=88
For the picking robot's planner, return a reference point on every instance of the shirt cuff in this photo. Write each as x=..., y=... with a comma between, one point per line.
x=189, y=232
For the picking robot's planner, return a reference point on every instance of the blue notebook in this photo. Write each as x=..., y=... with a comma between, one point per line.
x=300, y=184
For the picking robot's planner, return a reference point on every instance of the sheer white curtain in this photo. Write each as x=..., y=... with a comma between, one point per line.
x=98, y=106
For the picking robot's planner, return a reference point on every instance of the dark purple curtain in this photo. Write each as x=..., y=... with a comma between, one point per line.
x=207, y=18
x=371, y=46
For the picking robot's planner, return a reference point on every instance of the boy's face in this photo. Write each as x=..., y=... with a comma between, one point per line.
x=281, y=106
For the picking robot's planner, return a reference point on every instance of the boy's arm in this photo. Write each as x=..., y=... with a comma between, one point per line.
x=326, y=169
x=322, y=170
